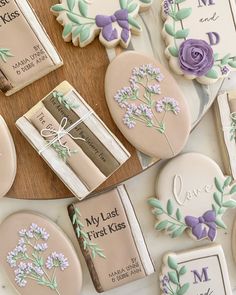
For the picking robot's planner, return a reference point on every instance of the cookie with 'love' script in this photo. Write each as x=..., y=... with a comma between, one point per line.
x=147, y=105
x=192, y=195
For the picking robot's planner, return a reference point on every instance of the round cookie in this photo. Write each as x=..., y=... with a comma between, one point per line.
x=7, y=159
x=37, y=256
x=114, y=22
x=147, y=105
x=193, y=195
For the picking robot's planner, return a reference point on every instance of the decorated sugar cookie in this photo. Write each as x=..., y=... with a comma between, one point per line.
x=201, y=271
x=147, y=105
x=198, y=36
x=193, y=195
x=37, y=256
x=7, y=159
x=114, y=21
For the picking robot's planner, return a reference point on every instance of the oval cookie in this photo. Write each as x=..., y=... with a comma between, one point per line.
x=147, y=105
x=7, y=159
x=37, y=256
x=193, y=195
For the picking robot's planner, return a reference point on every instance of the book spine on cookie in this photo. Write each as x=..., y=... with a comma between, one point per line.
x=111, y=239
x=26, y=51
x=226, y=132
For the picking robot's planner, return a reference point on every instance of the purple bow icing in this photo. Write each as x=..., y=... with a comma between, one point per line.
x=199, y=225
x=108, y=32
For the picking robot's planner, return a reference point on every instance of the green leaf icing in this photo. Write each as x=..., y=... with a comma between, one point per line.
x=80, y=25
x=171, y=282
x=5, y=54
x=177, y=14
x=175, y=224
x=93, y=248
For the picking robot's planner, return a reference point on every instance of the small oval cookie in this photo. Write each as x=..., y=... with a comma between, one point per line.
x=38, y=257
x=193, y=195
x=147, y=105
x=7, y=159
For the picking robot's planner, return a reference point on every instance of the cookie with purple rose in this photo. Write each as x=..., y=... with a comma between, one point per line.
x=114, y=23
x=198, y=45
x=192, y=195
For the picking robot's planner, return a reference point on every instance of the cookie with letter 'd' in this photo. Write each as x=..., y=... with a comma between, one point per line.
x=198, y=44
x=37, y=256
x=192, y=195
x=200, y=271
x=147, y=105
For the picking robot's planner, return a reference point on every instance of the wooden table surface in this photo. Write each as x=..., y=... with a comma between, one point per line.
x=85, y=70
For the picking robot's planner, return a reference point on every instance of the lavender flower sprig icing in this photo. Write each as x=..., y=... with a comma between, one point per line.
x=29, y=263
x=143, y=102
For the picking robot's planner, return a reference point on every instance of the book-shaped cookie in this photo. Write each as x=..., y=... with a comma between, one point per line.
x=73, y=140
x=7, y=159
x=147, y=105
x=111, y=240
x=114, y=22
x=225, y=111
x=26, y=51
x=192, y=195
x=38, y=257
x=198, y=271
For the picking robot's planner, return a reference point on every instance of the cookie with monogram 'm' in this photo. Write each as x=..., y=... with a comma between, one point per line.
x=147, y=105
x=37, y=256
x=7, y=159
x=198, y=271
x=114, y=21
x=193, y=195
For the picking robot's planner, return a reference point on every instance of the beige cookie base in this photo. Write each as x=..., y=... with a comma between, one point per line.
x=63, y=171
x=69, y=281
x=119, y=247
x=233, y=242
x=43, y=38
x=145, y=139
x=223, y=123
x=189, y=256
x=7, y=159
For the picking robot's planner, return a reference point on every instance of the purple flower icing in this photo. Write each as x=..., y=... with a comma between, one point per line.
x=200, y=225
x=108, y=32
x=196, y=57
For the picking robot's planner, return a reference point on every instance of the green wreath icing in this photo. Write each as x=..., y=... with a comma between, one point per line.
x=175, y=223
x=219, y=67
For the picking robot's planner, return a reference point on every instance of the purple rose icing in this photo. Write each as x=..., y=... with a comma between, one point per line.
x=196, y=57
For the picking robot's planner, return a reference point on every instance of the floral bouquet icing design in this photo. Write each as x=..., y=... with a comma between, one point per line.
x=83, y=20
x=30, y=262
x=143, y=102
x=191, y=57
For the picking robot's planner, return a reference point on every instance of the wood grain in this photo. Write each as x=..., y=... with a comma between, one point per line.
x=85, y=70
